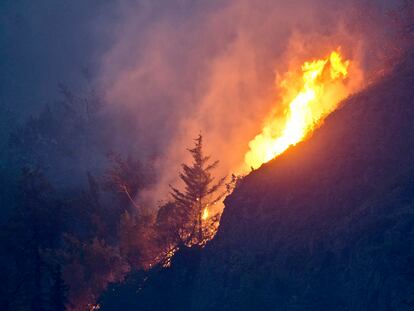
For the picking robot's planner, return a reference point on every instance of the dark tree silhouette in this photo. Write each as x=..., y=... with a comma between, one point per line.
x=137, y=240
x=88, y=267
x=37, y=232
x=201, y=192
x=126, y=177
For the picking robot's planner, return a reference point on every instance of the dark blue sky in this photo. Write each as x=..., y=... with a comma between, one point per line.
x=46, y=42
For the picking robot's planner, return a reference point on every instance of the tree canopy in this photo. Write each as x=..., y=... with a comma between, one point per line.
x=201, y=191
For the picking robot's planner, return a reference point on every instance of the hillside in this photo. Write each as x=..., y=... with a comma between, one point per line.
x=328, y=225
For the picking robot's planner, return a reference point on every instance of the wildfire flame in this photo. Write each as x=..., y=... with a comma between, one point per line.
x=322, y=87
x=205, y=214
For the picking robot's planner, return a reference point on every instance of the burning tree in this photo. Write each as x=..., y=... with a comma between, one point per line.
x=191, y=207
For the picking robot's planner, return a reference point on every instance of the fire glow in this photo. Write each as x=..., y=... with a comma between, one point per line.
x=205, y=214
x=322, y=87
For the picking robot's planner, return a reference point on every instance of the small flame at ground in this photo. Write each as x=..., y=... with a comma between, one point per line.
x=321, y=90
x=205, y=214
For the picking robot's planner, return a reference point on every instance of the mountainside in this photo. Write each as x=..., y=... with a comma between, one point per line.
x=328, y=225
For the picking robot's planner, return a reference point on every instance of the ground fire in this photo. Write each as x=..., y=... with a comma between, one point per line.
x=322, y=86
x=308, y=96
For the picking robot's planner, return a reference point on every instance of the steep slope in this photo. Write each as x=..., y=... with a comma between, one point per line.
x=328, y=225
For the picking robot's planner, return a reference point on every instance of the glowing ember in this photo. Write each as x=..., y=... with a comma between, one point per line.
x=321, y=89
x=205, y=214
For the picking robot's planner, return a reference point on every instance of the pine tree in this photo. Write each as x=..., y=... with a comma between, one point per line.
x=200, y=191
x=35, y=211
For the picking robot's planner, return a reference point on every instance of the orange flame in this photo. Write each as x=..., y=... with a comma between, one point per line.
x=321, y=90
x=205, y=214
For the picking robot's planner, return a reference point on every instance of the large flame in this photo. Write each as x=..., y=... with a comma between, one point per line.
x=321, y=87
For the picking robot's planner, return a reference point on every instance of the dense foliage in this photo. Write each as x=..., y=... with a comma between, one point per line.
x=74, y=226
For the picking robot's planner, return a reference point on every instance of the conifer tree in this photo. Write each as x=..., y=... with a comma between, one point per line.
x=35, y=211
x=201, y=191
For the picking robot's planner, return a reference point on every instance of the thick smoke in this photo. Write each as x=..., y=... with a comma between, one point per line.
x=178, y=68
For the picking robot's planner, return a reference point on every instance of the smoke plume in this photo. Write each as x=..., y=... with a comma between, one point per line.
x=178, y=68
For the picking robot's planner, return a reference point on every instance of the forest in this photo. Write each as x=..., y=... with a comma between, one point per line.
x=75, y=221
x=68, y=245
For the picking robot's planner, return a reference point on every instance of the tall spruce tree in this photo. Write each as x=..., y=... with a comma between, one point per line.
x=201, y=191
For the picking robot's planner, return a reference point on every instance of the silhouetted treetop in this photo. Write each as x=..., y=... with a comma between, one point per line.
x=201, y=191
